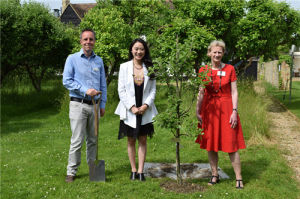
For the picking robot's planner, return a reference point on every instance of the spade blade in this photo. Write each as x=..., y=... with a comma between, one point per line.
x=97, y=170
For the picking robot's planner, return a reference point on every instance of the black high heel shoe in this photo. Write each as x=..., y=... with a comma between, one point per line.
x=133, y=176
x=217, y=180
x=141, y=177
x=239, y=184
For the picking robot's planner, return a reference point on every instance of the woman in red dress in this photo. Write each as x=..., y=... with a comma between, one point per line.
x=217, y=113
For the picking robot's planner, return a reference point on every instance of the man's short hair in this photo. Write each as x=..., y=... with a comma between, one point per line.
x=89, y=30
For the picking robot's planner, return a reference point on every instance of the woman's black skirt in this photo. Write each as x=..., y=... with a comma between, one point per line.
x=142, y=130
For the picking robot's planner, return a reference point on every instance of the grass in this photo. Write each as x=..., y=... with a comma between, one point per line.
x=35, y=137
x=253, y=114
x=283, y=96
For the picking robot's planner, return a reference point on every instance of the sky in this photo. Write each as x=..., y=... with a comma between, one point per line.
x=57, y=4
x=294, y=4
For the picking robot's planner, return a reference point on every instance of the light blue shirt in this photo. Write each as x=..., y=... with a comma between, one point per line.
x=82, y=73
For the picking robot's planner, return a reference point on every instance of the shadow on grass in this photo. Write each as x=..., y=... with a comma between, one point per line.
x=295, y=105
x=18, y=127
x=83, y=175
x=28, y=110
x=275, y=107
x=284, y=97
x=14, y=104
x=251, y=170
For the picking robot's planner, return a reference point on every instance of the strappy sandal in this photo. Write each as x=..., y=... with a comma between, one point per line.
x=239, y=184
x=213, y=183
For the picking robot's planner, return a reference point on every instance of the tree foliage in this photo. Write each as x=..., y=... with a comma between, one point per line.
x=220, y=17
x=41, y=43
x=266, y=26
x=10, y=40
x=113, y=36
x=249, y=28
x=117, y=23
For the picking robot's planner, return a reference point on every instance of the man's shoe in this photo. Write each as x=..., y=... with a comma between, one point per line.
x=70, y=178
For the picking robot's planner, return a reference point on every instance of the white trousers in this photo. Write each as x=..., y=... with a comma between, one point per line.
x=82, y=125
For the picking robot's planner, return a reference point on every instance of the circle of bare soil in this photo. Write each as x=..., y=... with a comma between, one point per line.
x=185, y=187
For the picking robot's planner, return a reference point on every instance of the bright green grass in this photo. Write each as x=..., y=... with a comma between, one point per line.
x=284, y=97
x=35, y=139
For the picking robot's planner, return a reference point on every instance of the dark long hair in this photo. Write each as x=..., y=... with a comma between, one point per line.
x=146, y=59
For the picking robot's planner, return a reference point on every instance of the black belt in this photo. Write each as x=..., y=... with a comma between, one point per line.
x=89, y=102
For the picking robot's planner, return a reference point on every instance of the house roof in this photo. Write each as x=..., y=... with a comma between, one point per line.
x=81, y=9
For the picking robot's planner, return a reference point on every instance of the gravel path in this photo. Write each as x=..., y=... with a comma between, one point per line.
x=285, y=130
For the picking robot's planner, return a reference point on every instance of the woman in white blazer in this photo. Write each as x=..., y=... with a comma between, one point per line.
x=136, y=108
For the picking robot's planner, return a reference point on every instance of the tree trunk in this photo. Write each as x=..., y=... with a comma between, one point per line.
x=5, y=70
x=178, y=171
x=110, y=74
x=35, y=79
x=1, y=80
x=241, y=69
x=248, y=64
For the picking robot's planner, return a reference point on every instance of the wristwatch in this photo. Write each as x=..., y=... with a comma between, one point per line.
x=234, y=109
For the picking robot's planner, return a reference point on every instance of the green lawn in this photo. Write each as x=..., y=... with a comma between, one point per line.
x=35, y=137
x=284, y=97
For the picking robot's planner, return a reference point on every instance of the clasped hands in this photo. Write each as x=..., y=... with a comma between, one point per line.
x=139, y=110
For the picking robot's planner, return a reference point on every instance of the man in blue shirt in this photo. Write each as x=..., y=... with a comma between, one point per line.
x=84, y=77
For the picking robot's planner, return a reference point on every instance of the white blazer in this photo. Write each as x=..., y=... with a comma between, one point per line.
x=127, y=95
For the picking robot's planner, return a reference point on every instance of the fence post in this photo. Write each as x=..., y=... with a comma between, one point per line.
x=291, y=71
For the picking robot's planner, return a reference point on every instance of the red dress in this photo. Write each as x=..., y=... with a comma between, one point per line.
x=216, y=110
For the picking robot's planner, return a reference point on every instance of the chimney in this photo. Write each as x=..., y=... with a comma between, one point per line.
x=56, y=13
x=65, y=3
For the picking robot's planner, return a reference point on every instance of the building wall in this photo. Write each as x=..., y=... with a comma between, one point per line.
x=271, y=72
x=278, y=76
x=285, y=76
x=296, y=67
x=70, y=16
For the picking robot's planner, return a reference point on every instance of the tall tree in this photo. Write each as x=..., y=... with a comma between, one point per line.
x=45, y=42
x=10, y=40
x=220, y=17
x=249, y=28
x=267, y=25
x=117, y=23
x=37, y=40
x=113, y=37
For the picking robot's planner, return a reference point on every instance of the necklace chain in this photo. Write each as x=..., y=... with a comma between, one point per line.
x=219, y=67
x=220, y=78
x=138, y=78
x=137, y=67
